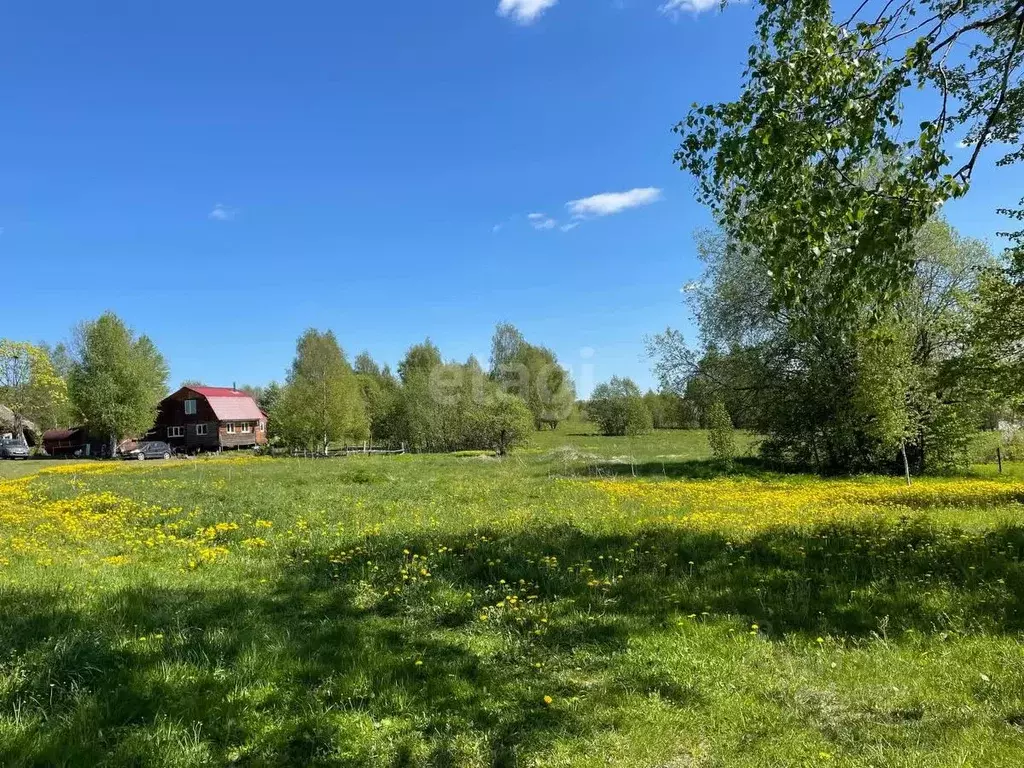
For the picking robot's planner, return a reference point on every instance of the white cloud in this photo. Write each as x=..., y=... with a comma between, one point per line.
x=570, y=226
x=223, y=212
x=609, y=203
x=541, y=221
x=676, y=7
x=524, y=11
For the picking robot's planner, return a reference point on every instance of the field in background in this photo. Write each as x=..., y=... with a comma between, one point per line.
x=588, y=601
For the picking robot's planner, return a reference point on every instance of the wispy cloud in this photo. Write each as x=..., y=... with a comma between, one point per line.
x=676, y=7
x=223, y=212
x=541, y=221
x=609, y=203
x=595, y=206
x=524, y=11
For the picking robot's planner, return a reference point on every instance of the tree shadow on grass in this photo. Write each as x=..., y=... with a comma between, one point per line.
x=690, y=469
x=300, y=676
x=319, y=667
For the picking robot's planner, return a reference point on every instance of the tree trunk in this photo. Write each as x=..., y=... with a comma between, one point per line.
x=906, y=464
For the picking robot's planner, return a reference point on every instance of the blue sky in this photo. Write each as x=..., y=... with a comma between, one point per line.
x=225, y=174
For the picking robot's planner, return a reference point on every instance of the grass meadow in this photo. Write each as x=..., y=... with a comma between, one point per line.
x=588, y=601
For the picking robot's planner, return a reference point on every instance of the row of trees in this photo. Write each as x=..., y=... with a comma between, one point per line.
x=617, y=407
x=111, y=380
x=430, y=405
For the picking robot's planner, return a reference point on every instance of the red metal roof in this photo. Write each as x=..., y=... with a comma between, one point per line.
x=218, y=392
x=230, y=404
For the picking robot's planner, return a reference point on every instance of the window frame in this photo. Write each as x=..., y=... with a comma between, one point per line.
x=246, y=428
x=229, y=427
x=195, y=406
x=202, y=430
x=175, y=431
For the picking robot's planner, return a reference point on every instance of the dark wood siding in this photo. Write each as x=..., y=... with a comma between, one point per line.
x=172, y=414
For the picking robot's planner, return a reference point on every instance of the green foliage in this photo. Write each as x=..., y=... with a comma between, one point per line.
x=814, y=168
x=881, y=385
x=721, y=434
x=30, y=384
x=505, y=422
x=994, y=359
x=267, y=399
x=365, y=365
x=532, y=373
x=421, y=358
x=117, y=379
x=840, y=394
x=618, y=408
x=321, y=402
x=669, y=411
x=506, y=346
x=452, y=407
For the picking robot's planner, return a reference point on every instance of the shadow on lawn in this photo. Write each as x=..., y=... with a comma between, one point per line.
x=320, y=667
x=299, y=678
x=690, y=469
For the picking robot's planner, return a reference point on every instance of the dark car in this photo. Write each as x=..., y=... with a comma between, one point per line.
x=153, y=450
x=13, y=448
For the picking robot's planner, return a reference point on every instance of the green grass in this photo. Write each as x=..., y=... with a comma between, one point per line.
x=362, y=614
x=19, y=468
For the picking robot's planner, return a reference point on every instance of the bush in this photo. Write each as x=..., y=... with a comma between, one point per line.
x=618, y=408
x=506, y=422
x=721, y=434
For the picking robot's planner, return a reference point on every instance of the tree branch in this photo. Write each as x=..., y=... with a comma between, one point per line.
x=965, y=172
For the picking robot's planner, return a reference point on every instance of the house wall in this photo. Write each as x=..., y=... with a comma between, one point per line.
x=172, y=414
x=241, y=439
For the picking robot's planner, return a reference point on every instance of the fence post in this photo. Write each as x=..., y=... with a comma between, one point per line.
x=999, y=458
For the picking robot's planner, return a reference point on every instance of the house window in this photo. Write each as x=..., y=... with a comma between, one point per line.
x=190, y=407
x=175, y=431
x=200, y=430
x=230, y=427
x=247, y=428
x=261, y=426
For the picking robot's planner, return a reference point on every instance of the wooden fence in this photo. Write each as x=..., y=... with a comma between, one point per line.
x=366, y=449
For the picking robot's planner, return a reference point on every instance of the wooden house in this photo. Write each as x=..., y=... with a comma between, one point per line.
x=196, y=419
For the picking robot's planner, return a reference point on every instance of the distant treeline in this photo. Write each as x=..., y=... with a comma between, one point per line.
x=428, y=404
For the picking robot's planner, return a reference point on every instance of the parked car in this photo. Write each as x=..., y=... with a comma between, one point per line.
x=152, y=450
x=13, y=448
